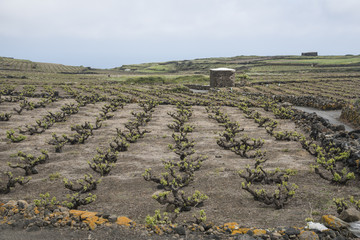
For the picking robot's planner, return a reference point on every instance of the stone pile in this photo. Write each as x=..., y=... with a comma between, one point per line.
x=322, y=130
x=19, y=215
x=22, y=215
x=311, y=101
x=351, y=114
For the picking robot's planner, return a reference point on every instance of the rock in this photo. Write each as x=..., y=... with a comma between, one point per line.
x=355, y=228
x=339, y=128
x=22, y=204
x=331, y=233
x=210, y=231
x=19, y=224
x=340, y=238
x=258, y=232
x=245, y=237
x=40, y=223
x=308, y=235
x=334, y=222
x=10, y=213
x=11, y=203
x=180, y=230
x=17, y=217
x=276, y=236
x=33, y=228
x=124, y=221
x=292, y=231
x=47, y=212
x=201, y=229
x=350, y=215
x=112, y=218
x=63, y=209
x=316, y=226
x=53, y=221
x=30, y=221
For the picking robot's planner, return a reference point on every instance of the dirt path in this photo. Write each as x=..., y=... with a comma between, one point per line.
x=332, y=115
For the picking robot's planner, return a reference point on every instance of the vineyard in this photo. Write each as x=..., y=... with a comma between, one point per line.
x=161, y=154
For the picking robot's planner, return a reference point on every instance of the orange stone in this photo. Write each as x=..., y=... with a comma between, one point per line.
x=240, y=231
x=88, y=217
x=124, y=221
x=258, y=232
x=231, y=225
x=91, y=221
x=73, y=222
x=2, y=210
x=333, y=222
x=88, y=214
x=36, y=211
x=76, y=212
x=4, y=220
x=92, y=225
x=101, y=221
x=15, y=210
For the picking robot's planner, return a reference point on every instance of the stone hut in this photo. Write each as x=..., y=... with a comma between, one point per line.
x=312, y=54
x=222, y=77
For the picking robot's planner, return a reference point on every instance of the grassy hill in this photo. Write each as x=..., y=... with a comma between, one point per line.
x=248, y=64
x=11, y=64
x=253, y=69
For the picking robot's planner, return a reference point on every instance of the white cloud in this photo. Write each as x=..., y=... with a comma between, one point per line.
x=190, y=25
x=144, y=18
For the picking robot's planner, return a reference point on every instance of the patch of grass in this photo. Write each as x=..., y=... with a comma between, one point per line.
x=146, y=80
x=168, y=79
x=192, y=79
x=321, y=60
x=54, y=176
x=315, y=213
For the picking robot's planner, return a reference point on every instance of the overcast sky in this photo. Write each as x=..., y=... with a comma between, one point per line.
x=110, y=33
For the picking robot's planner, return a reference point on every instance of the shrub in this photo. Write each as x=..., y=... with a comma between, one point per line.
x=15, y=139
x=11, y=182
x=76, y=200
x=172, y=181
x=28, y=162
x=83, y=185
x=157, y=219
x=279, y=198
x=59, y=142
x=5, y=116
x=46, y=201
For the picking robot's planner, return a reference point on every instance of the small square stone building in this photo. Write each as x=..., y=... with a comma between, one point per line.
x=309, y=54
x=222, y=77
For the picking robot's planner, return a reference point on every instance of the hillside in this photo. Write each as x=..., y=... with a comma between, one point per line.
x=250, y=64
x=106, y=147
x=12, y=64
